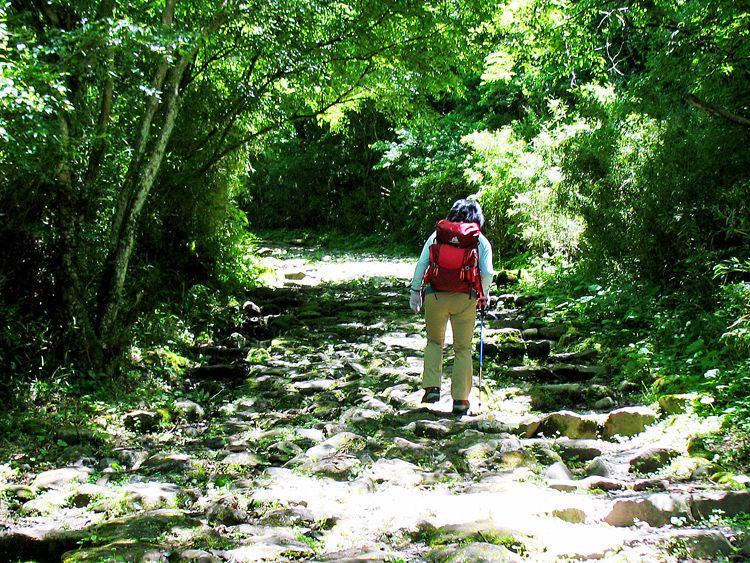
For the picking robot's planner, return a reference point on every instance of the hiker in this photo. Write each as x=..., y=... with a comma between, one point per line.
x=452, y=280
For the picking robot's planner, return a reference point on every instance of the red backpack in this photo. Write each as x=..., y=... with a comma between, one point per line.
x=454, y=258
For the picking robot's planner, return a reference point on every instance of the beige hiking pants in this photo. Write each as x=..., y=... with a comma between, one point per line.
x=461, y=311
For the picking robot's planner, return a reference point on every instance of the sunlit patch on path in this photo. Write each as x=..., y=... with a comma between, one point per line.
x=294, y=266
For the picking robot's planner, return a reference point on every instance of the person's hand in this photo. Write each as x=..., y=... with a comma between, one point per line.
x=415, y=300
x=483, y=302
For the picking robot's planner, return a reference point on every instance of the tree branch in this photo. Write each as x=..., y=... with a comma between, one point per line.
x=718, y=112
x=348, y=33
x=126, y=193
x=96, y=157
x=339, y=99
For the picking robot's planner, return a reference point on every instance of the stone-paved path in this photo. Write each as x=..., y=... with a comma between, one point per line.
x=311, y=444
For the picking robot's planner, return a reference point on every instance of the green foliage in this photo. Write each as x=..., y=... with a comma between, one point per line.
x=736, y=303
x=648, y=194
x=338, y=246
x=587, y=147
x=435, y=537
x=519, y=185
x=349, y=179
x=310, y=541
x=127, y=132
x=424, y=171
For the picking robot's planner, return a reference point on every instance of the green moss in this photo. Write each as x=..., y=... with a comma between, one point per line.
x=438, y=537
x=119, y=551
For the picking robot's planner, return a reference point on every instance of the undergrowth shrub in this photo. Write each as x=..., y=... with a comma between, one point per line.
x=661, y=341
x=650, y=194
x=518, y=182
x=423, y=171
x=317, y=175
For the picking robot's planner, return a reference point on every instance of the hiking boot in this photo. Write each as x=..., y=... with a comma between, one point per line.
x=431, y=395
x=460, y=408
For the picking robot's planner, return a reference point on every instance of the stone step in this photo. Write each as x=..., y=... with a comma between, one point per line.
x=565, y=424
x=535, y=350
x=220, y=372
x=514, y=300
x=573, y=372
x=552, y=332
x=557, y=373
x=536, y=331
x=554, y=396
x=221, y=353
x=583, y=356
x=579, y=450
x=531, y=373
x=503, y=351
x=504, y=319
x=622, y=422
x=539, y=349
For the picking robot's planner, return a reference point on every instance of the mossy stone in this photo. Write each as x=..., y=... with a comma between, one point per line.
x=120, y=550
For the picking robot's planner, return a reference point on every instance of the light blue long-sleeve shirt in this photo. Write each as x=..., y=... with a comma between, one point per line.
x=486, y=270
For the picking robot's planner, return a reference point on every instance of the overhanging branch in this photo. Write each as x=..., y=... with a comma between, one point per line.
x=716, y=111
x=339, y=99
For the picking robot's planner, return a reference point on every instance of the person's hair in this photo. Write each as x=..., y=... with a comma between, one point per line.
x=466, y=211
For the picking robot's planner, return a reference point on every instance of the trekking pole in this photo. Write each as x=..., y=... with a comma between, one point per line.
x=481, y=354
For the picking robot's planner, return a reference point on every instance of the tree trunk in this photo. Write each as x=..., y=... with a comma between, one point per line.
x=100, y=143
x=110, y=300
x=124, y=200
x=74, y=321
x=139, y=180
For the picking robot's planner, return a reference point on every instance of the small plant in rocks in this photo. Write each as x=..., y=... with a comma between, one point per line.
x=310, y=541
